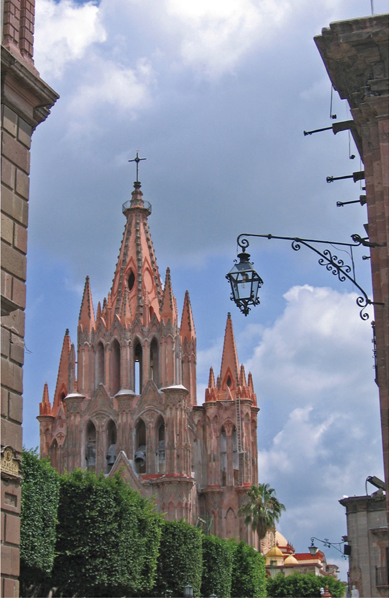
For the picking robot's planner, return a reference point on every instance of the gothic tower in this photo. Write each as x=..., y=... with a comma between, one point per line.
x=227, y=457
x=131, y=405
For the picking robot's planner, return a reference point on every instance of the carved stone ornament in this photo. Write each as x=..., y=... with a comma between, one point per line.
x=60, y=437
x=228, y=426
x=10, y=464
x=100, y=418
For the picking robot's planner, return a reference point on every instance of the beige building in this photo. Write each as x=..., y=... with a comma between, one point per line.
x=25, y=102
x=367, y=534
x=282, y=558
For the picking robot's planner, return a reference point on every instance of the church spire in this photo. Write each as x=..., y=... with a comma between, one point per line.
x=61, y=389
x=187, y=324
x=86, y=319
x=45, y=406
x=211, y=380
x=169, y=307
x=136, y=268
x=229, y=371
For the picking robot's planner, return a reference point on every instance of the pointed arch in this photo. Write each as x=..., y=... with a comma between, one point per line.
x=235, y=456
x=138, y=366
x=154, y=362
x=54, y=454
x=179, y=511
x=229, y=381
x=231, y=523
x=115, y=366
x=160, y=443
x=140, y=447
x=130, y=279
x=90, y=452
x=223, y=456
x=110, y=457
x=100, y=364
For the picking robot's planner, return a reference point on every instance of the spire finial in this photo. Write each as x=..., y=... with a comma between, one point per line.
x=137, y=160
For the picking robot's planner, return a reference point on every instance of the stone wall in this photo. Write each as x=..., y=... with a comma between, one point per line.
x=26, y=101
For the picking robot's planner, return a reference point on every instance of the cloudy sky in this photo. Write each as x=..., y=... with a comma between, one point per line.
x=216, y=95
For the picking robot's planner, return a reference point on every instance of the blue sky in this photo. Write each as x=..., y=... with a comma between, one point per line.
x=216, y=95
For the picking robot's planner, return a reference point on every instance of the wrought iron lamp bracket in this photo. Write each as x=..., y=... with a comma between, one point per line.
x=329, y=544
x=327, y=258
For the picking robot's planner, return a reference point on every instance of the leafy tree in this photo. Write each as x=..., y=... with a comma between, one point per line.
x=304, y=585
x=39, y=507
x=262, y=509
x=107, y=538
x=180, y=559
x=248, y=572
x=217, y=567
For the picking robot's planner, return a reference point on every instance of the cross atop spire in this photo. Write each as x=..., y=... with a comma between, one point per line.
x=137, y=160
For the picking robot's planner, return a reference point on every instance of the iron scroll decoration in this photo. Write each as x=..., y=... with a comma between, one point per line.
x=327, y=258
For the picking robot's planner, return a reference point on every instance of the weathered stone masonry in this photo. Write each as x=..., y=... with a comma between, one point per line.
x=25, y=102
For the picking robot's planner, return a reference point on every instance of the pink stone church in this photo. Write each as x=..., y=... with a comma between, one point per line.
x=130, y=405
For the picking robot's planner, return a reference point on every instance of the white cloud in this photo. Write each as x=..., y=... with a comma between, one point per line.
x=63, y=33
x=314, y=343
x=218, y=33
x=124, y=88
x=318, y=428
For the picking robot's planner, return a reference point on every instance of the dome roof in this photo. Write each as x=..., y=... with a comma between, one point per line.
x=291, y=560
x=275, y=551
x=281, y=540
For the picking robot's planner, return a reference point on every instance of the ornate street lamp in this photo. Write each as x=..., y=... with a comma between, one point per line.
x=245, y=282
x=312, y=548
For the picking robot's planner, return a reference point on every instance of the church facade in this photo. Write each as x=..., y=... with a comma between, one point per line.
x=125, y=398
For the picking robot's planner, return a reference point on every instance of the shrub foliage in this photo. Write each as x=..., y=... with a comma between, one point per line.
x=180, y=559
x=107, y=538
x=40, y=496
x=248, y=572
x=303, y=584
x=217, y=567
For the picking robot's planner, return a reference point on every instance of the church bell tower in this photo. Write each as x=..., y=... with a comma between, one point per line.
x=128, y=402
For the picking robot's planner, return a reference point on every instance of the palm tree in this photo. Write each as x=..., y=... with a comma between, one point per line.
x=262, y=510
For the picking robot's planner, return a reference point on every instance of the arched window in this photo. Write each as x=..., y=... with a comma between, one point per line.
x=223, y=456
x=138, y=362
x=231, y=530
x=131, y=280
x=54, y=455
x=235, y=455
x=100, y=374
x=161, y=463
x=154, y=361
x=111, y=446
x=90, y=453
x=115, y=367
x=140, y=447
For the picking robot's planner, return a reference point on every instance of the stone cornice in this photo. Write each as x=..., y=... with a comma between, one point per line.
x=358, y=504
x=25, y=92
x=355, y=55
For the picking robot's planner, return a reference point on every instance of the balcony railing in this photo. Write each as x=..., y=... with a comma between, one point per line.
x=127, y=204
